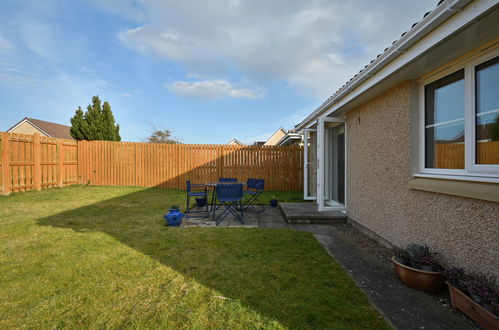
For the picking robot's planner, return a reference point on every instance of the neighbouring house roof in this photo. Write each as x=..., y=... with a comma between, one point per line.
x=370, y=75
x=235, y=142
x=276, y=137
x=291, y=137
x=48, y=128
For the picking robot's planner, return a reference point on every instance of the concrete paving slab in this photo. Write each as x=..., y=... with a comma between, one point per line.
x=403, y=307
x=307, y=213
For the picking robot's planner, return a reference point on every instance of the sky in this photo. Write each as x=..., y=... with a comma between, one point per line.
x=209, y=71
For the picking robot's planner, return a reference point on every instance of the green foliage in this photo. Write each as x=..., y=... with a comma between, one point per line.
x=97, y=123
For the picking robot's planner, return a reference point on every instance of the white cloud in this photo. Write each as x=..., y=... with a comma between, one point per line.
x=212, y=89
x=126, y=94
x=314, y=46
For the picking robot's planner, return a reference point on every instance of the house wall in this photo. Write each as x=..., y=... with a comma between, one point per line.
x=275, y=138
x=26, y=128
x=463, y=231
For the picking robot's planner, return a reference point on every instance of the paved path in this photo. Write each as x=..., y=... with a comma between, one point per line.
x=401, y=306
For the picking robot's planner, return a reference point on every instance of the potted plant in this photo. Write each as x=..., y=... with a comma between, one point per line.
x=474, y=295
x=417, y=268
x=273, y=201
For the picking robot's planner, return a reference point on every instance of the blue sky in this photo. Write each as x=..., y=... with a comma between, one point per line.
x=209, y=71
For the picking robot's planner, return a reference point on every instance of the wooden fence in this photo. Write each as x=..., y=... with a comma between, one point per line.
x=451, y=155
x=36, y=162
x=170, y=165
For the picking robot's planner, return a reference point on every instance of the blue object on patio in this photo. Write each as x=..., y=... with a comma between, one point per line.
x=254, y=189
x=200, y=201
x=198, y=193
x=227, y=179
x=173, y=217
x=230, y=197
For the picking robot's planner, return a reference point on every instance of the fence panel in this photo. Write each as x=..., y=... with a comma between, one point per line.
x=36, y=162
x=170, y=165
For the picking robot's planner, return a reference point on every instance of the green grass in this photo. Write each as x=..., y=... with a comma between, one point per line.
x=100, y=257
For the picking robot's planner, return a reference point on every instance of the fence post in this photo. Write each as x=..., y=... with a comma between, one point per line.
x=220, y=161
x=59, y=164
x=37, y=180
x=5, y=164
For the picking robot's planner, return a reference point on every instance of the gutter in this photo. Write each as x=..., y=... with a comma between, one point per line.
x=444, y=10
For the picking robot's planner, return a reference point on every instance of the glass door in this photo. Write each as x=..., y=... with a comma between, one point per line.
x=334, y=187
x=310, y=164
x=331, y=164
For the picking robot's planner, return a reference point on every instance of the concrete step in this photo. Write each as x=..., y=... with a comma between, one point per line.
x=306, y=213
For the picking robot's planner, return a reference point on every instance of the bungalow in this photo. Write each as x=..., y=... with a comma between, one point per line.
x=234, y=142
x=292, y=138
x=409, y=147
x=44, y=128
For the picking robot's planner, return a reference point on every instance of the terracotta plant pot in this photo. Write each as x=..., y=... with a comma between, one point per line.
x=472, y=309
x=419, y=279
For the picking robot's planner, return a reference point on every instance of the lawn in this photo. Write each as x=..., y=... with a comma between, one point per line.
x=100, y=257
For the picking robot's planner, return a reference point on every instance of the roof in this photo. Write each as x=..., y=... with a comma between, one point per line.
x=235, y=142
x=431, y=19
x=49, y=128
x=271, y=140
x=290, y=135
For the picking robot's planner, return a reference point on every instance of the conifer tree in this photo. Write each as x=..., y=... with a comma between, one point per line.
x=97, y=123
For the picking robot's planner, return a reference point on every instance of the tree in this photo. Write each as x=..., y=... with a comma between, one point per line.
x=162, y=135
x=97, y=123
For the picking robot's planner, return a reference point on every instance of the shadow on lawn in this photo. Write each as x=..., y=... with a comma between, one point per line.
x=257, y=275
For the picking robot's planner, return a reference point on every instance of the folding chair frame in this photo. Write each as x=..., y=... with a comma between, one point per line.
x=188, y=212
x=250, y=198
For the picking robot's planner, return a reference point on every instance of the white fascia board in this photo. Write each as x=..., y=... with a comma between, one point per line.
x=438, y=25
x=26, y=120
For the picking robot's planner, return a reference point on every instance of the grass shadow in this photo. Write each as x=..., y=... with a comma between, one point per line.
x=282, y=275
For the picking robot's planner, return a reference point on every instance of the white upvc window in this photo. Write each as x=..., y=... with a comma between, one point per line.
x=459, y=121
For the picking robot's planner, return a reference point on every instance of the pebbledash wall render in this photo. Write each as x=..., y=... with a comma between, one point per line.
x=390, y=194
x=380, y=142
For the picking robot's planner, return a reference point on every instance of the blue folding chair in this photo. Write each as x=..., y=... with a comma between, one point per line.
x=214, y=199
x=203, y=193
x=230, y=197
x=227, y=179
x=254, y=189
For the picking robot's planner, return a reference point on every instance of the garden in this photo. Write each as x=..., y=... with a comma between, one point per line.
x=101, y=257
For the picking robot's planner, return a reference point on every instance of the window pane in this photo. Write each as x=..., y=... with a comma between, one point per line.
x=444, y=122
x=487, y=112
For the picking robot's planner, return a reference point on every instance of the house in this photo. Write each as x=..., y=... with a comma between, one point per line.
x=235, y=142
x=388, y=150
x=292, y=138
x=276, y=137
x=45, y=128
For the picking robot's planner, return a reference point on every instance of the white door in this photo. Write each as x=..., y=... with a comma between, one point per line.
x=310, y=164
x=331, y=164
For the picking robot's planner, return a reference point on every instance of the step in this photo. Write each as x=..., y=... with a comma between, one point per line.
x=306, y=213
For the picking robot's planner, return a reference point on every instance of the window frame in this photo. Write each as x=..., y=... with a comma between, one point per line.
x=481, y=172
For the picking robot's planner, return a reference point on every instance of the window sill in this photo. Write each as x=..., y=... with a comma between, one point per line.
x=471, y=189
